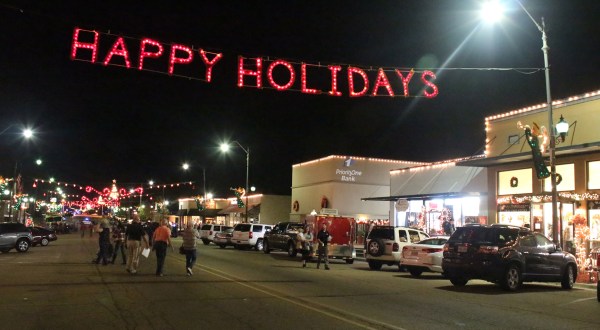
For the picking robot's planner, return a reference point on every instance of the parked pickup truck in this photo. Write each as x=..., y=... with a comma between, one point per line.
x=282, y=237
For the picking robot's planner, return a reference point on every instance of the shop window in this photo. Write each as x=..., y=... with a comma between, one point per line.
x=593, y=174
x=515, y=182
x=565, y=178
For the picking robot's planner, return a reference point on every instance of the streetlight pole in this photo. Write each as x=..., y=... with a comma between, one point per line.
x=556, y=233
x=493, y=11
x=224, y=147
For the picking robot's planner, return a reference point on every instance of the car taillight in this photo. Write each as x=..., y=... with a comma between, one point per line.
x=404, y=248
x=395, y=247
x=210, y=232
x=488, y=249
x=446, y=247
x=432, y=250
x=250, y=234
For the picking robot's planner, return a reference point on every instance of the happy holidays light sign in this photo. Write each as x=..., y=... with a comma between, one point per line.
x=282, y=75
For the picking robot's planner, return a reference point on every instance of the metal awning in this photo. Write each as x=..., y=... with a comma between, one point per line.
x=235, y=209
x=436, y=182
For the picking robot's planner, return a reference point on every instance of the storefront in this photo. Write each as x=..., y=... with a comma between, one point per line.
x=518, y=197
x=425, y=196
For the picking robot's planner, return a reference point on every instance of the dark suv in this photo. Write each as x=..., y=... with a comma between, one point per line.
x=506, y=255
x=14, y=235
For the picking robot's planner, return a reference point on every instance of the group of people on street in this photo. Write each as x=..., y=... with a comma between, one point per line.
x=134, y=238
x=303, y=244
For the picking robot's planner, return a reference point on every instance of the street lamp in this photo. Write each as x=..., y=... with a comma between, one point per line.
x=493, y=7
x=186, y=167
x=27, y=134
x=224, y=148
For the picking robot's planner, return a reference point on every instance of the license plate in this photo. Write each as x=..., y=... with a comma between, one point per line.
x=414, y=253
x=462, y=248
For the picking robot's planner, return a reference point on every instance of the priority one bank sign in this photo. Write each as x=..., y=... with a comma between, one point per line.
x=186, y=61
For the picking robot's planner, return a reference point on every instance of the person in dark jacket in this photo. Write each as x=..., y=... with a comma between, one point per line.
x=103, y=229
x=323, y=251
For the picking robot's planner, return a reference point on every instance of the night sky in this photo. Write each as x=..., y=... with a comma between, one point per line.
x=96, y=123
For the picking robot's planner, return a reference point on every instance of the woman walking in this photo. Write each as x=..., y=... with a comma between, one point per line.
x=190, y=236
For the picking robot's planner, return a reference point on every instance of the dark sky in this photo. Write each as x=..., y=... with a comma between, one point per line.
x=95, y=123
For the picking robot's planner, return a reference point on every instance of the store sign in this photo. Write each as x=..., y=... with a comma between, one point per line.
x=348, y=175
x=183, y=61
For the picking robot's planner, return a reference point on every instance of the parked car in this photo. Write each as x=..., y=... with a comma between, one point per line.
x=14, y=235
x=207, y=232
x=249, y=235
x=282, y=237
x=42, y=236
x=384, y=244
x=506, y=255
x=425, y=256
x=223, y=238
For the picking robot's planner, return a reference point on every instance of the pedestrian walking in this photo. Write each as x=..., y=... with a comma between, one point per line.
x=302, y=245
x=118, y=237
x=134, y=235
x=323, y=251
x=103, y=229
x=162, y=240
x=190, y=237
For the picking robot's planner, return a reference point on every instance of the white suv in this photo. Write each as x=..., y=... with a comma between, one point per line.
x=247, y=235
x=207, y=232
x=384, y=244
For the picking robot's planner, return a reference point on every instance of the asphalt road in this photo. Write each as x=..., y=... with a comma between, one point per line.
x=57, y=287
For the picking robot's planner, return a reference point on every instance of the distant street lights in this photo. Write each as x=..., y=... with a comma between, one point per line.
x=492, y=11
x=224, y=148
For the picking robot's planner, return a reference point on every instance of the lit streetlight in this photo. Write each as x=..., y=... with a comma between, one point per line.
x=493, y=10
x=225, y=148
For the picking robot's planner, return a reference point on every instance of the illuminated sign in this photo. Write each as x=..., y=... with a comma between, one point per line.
x=179, y=60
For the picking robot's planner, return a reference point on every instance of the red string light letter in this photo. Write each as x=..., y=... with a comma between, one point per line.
x=334, y=85
x=144, y=53
x=244, y=72
x=305, y=89
x=209, y=63
x=424, y=76
x=363, y=74
x=382, y=81
x=272, y=81
x=77, y=44
x=118, y=49
x=405, y=80
x=173, y=59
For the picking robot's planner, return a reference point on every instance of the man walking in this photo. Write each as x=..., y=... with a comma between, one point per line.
x=323, y=251
x=162, y=240
x=133, y=241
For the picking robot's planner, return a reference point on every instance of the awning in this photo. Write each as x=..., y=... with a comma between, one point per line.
x=235, y=209
x=182, y=212
x=209, y=213
x=436, y=182
x=526, y=156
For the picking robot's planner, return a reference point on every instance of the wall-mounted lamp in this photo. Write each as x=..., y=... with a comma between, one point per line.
x=562, y=128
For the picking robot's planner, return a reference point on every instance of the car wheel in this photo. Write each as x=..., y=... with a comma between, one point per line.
x=568, y=279
x=374, y=264
x=349, y=261
x=458, y=281
x=23, y=245
x=259, y=245
x=45, y=241
x=266, y=248
x=375, y=247
x=235, y=246
x=292, y=250
x=222, y=246
x=512, y=278
x=416, y=272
